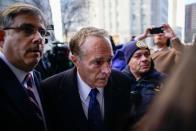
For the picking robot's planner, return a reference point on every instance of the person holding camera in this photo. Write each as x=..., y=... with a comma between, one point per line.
x=164, y=55
x=146, y=81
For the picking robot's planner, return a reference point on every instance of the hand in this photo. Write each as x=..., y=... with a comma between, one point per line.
x=168, y=31
x=144, y=35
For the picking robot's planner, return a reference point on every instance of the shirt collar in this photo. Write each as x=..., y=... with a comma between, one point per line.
x=20, y=74
x=84, y=88
x=156, y=49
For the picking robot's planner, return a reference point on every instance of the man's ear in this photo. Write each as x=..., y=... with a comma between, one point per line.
x=74, y=59
x=2, y=34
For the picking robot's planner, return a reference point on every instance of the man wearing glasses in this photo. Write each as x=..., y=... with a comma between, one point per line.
x=22, y=38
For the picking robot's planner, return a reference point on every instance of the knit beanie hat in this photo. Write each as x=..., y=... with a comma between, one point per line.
x=131, y=47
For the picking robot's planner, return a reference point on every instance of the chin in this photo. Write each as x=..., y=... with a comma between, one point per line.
x=103, y=84
x=100, y=86
x=144, y=71
x=33, y=63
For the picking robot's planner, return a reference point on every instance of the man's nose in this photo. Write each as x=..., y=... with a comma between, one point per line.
x=37, y=37
x=143, y=57
x=106, y=68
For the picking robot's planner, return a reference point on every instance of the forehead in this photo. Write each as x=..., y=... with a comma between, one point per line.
x=142, y=50
x=97, y=45
x=30, y=19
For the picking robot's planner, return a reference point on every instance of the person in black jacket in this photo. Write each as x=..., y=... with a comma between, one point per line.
x=145, y=80
x=68, y=93
x=23, y=31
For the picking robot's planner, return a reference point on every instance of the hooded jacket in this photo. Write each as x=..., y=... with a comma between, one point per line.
x=143, y=90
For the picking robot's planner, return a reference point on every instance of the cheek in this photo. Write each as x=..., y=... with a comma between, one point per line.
x=165, y=40
x=134, y=64
x=19, y=43
x=12, y=47
x=16, y=44
x=85, y=69
x=88, y=74
x=155, y=38
x=92, y=73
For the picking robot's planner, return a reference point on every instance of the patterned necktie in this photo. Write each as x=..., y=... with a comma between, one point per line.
x=94, y=112
x=30, y=91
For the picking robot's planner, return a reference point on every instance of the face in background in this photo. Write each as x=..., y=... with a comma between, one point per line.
x=140, y=62
x=94, y=62
x=160, y=40
x=21, y=48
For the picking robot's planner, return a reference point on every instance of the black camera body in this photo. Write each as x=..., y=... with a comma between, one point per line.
x=157, y=30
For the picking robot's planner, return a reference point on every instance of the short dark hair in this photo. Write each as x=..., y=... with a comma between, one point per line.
x=168, y=42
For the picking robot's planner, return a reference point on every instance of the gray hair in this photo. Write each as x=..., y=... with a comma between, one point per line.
x=78, y=39
x=8, y=14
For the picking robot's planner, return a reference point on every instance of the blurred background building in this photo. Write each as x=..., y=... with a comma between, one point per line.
x=121, y=18
x=190, y=22
x=126, y=18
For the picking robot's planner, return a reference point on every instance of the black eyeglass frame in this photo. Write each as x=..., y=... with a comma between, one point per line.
x=29, y=30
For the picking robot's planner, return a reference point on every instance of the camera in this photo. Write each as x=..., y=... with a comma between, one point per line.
x=157, y=30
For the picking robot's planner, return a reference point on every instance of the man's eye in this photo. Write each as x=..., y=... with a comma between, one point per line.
x=147, y=54
x=137, y=56
x=98, y=62
x=28, y=29
x=110, y=61
x=42, y=32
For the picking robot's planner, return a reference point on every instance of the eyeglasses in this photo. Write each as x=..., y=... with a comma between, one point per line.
x=29, y=29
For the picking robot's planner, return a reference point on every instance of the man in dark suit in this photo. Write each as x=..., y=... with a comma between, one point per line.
x=22, y=29
x=69, y=95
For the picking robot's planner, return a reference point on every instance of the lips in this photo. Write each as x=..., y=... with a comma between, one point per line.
x=145, y=66
x=103, y=78
x=35, y=50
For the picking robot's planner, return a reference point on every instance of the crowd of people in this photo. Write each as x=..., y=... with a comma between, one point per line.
x=132, y=88
x=167, y=51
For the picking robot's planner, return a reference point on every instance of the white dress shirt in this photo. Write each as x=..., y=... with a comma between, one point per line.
x=84, y=91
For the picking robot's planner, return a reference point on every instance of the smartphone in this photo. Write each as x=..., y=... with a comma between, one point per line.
x=157, y=30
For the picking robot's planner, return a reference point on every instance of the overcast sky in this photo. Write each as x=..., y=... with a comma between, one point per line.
x=190, y=1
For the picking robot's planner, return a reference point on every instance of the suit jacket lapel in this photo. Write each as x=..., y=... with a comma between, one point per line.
x=76, y=106
x=108, y=102
x=14, y=90
x=37, y=80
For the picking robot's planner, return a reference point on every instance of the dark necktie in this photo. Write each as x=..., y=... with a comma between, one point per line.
x=94, y=112
x=30, y=91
